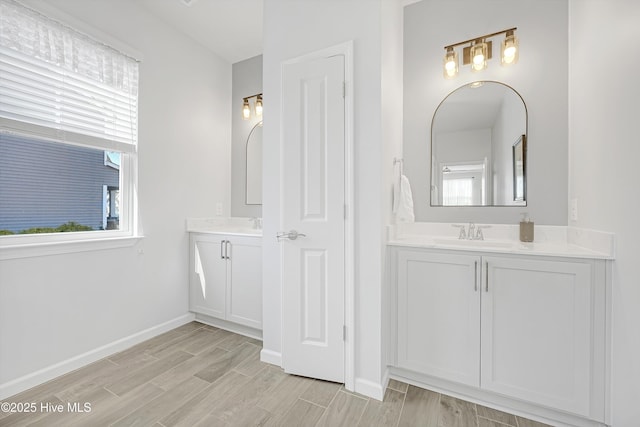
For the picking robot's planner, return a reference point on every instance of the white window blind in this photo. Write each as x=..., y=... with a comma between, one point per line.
x=60, y=84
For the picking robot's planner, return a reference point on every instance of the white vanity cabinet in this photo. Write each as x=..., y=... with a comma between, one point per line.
x=439, y=315
x=225, y=277
x=543, y=332
x=528, y=328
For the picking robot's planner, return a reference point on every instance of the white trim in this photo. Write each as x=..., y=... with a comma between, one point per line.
x=43, y=375
x=30, y=250
x=608, y=356
x=236, y=328
x=270, y=356
x=385, y=380
x=24, y=129
x=369, y=388
x=345, y=49
x=350, y=265
x=105, y=190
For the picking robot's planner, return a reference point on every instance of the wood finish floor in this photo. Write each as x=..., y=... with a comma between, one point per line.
x=198, y=375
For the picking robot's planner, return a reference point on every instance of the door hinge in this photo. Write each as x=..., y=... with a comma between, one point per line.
x=344, y=332
x=344, y=89
x=346, y=212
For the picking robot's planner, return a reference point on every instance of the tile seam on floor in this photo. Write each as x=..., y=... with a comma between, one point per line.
x=327, y=408
x=313, y=403
x=109, y=391
x=496, y=421
x=404, y=399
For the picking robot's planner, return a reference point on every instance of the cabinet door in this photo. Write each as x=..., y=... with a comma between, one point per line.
x=208, y=275
x=438, y=315
x=244, y=294
x=537, y=331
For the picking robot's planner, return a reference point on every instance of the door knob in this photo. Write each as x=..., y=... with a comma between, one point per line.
x=291, y=235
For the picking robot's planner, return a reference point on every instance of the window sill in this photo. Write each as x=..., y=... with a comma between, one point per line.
x=32, y=250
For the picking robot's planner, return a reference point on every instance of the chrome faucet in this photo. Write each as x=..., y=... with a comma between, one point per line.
x=463, y=233
x=479, y=234
x=474, y=232
x=470, y=234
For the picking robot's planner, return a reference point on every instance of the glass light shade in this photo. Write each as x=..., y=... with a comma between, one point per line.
x=450, y=64
x=246, y=110
x=258, y=106
x=510, y=49
x=479, y=56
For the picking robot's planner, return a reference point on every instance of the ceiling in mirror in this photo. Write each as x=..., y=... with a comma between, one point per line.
x=479, y=146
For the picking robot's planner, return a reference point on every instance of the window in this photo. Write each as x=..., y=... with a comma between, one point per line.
x=463, y=184
x=68, y=132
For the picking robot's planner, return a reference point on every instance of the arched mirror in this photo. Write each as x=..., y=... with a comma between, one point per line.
x=479, y=147
x=254, y=166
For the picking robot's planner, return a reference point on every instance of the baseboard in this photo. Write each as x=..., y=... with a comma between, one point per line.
x=369, y=389
x=385, y=380
x=272, y=357
x=230, y=326
x=28, y=381
x=500, y=402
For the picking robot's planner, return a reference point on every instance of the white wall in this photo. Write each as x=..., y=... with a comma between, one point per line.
x=463, y=146
x=293, y=28
x=54, y=308
x=247, y=81
x=604, y=153
x=540, y=77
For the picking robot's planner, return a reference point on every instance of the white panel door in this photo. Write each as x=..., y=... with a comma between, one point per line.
x=439, y=315
x=313, y=200
x=537, y=331
x=208, y=284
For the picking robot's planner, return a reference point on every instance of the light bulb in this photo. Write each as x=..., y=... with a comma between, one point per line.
x=479, y=56
x=450, y=64
x=258, y=106
x=510, y=49
x=246, y=110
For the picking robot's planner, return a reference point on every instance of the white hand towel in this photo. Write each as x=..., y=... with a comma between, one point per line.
x=403, y=201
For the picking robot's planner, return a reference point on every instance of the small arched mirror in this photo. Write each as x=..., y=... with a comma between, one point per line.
x=254, y=166
x=479, y=147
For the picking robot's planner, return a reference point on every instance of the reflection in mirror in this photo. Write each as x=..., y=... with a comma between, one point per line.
x=254, y=166
x=519, y=172
x=474, y=135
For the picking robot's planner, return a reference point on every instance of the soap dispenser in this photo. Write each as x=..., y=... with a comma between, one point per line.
x=526, y=228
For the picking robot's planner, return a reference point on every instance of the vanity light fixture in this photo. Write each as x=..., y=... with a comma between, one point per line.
x=479, y=50
x=258, y=106
x=246, y=110
x=246, y=107
x=479, y=55
x=510, y=49
x=450, y=63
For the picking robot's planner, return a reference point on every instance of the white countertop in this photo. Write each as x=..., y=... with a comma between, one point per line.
x=560, y=241
x=231, y=226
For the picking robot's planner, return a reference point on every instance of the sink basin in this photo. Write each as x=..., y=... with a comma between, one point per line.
x=475, y=244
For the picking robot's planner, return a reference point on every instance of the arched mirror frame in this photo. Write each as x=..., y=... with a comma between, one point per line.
x=253, y=168
x=519, y=145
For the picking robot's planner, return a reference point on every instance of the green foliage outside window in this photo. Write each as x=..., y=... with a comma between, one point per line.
x=64, y=228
